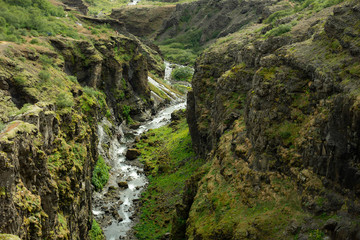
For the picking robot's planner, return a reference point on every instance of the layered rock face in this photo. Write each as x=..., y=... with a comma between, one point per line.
x=46, y=188
x=277, y=116
x=48, y=139
x=212, y=19
x=116, y=66
x=143, y=21
x=77, y=5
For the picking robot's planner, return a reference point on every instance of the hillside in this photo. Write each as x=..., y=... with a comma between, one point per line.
x=274, y=109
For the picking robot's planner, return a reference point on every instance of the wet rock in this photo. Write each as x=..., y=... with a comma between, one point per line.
x=132, y=154
x=177, y=115
x=135, y=126
x=165, y=236
x=123, y=184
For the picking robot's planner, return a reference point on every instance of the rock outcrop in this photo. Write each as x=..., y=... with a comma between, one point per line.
x=52, y=98
x=207, y=20
x=143, y=21
x=277, y=115
x=76, y=5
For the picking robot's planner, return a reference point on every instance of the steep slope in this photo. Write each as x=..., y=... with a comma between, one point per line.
x=193, y=26
x=274, y=109
x=54, y=90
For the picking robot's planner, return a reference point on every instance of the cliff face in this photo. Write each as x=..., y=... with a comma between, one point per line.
x=277, y=116
x=46, y=188
x=48, y=120
x=76, y=5
x=143, y=21
x=116, y=66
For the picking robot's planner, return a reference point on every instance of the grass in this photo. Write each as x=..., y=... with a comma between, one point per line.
x=20, y=19
x=96, y=232
x=182, y=74
x=167, y=153
x=182, y=49
x=100, y=174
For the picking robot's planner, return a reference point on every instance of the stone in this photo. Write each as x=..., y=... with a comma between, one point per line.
x=123, y=184
x=132, y=154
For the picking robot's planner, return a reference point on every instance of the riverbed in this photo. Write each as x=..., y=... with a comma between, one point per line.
x=115, y=206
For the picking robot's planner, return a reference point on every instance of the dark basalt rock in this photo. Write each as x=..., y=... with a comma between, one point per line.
x=132, y=154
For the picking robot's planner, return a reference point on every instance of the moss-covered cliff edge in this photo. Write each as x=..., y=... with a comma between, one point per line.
x=54, y=90
x=274, y=109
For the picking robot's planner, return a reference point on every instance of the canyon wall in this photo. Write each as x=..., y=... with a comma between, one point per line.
x=277, y=117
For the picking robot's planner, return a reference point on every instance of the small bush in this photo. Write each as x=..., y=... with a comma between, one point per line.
x=182, y=74
x=281, y=29
x=20, y=80
x=73, y=79
x=64, y=100
x=34, y=41
x=100, y=174
x=44, y=75
x=2, y=126
x=126, y=113
x=45, y=60
x=96, y=233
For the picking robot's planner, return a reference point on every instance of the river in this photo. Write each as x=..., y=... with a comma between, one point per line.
x=115, y=206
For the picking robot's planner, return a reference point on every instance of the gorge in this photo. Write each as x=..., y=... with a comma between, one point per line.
x=94, y=144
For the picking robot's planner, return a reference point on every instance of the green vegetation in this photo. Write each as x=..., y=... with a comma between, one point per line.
x=168, y=155
x=96, y=232
x=64, y=100
x=281, y=29
x=182, y=74
x=100, y=174
x=19, y=19
x=182, y=49
x=2, y=126
x=44, y=75
x=126, y=113
x=102, y=7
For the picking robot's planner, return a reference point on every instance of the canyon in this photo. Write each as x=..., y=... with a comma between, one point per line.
x=91, y=146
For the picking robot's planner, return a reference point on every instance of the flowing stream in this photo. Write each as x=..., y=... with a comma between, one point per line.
x=115, y=206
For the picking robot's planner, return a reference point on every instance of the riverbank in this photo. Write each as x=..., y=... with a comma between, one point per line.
x=169, y=163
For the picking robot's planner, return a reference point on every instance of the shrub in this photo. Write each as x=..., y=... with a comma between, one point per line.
x=20, y=80
x=64, y=100
x=281, y=29
x=182, y=74
x=45, y=60
x=73, y=79
x=96, y=232
x=100, y=174
x=126, y=113
x=44, y=75
x=2, y=126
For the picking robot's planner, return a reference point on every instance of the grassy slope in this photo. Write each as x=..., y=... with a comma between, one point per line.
x=168, y=156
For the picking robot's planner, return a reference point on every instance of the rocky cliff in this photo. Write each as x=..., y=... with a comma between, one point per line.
x=275, y=110
x=76, y=5
x=53, y=92
x=143, y=21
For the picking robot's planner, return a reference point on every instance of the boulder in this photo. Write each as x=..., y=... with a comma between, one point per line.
x=132, y=154
x=123, y=184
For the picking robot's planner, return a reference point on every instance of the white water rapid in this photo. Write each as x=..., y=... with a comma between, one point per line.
x=114, y=207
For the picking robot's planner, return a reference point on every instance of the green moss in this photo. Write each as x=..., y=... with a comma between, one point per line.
x=168, y=154
x=62, y=229
x=64, y=100
x=182, y=74
x=100, y=174
x=279, y=30
x=96, y=233
x=8, y=237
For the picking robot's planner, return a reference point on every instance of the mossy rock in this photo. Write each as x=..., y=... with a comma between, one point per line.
x=8, y=237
